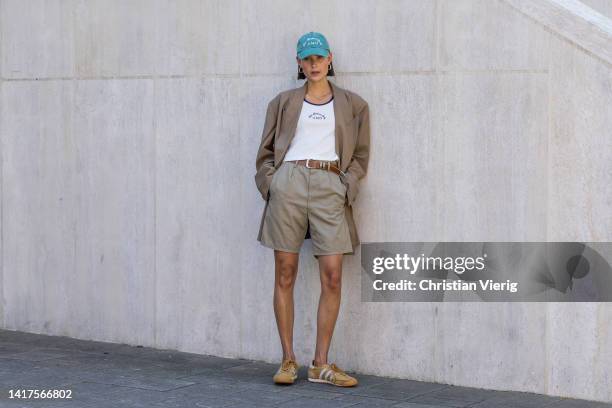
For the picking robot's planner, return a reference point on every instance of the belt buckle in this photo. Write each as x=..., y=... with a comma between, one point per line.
x=322, y=165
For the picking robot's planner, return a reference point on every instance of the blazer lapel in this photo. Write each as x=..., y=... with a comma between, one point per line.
x=291, y=115
x=340, y=117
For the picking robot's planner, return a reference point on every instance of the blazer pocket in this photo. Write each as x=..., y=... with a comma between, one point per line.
x=346, y=188
x=263, y=181
x=352, y=188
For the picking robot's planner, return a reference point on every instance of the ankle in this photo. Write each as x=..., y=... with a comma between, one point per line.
x=289, y=357
x=319, y=362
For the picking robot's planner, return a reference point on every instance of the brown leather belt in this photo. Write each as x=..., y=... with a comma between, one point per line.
x=319, y=164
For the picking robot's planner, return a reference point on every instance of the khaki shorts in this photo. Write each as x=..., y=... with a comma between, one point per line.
x=304, y=198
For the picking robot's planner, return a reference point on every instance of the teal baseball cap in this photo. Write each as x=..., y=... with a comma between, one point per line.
x=312, y=43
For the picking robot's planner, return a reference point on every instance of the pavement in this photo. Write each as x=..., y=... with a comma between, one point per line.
x=96, y=374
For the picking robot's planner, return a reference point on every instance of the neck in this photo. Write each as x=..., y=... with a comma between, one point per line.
x=319, y=87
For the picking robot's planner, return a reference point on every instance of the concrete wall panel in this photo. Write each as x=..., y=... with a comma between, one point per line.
x=489, y=35
x=112, y=293
x=580, y=198
x=197, y=221
x=494, y=128
x=37, y=38
x=400, y=199
x=580, y=146
x=492, y=347
x=199, y=37
x=39, y=206
x=116, y=38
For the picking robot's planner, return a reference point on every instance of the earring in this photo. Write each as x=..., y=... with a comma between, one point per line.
x=329, y=67
x=300, y=70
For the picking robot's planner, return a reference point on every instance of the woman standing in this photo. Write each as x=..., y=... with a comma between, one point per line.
x=313, y=152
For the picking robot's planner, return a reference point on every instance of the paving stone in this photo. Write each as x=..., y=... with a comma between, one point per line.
x=254, y=372
x=399, y=389
x=36, y=378
x=302, y=402
x=324, y=391
x=199, y=403
x=212, y=395
x=34, y=355
x=262, y=398
x=467, y=394
x=440, y=402
x=125, y=366
x=142, y=382
x=414, y=405
x=512, y=399
x=367, y=401
x=217, y=389
x=11, y=348
x=32, y=404
x=454, y=396
x=11, y=367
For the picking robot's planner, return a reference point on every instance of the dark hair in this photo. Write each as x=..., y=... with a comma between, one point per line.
x=330, y=72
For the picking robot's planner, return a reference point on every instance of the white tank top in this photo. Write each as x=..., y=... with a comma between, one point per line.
x=315, y=136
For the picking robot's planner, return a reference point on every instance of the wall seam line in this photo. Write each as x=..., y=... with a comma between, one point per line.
x=2, y=283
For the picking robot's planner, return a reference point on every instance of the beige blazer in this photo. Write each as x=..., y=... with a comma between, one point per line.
x=352, y=143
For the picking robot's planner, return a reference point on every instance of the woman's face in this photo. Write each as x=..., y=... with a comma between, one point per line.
x=315, y=67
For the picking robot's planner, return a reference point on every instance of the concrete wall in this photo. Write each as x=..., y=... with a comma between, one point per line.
x=129, y=212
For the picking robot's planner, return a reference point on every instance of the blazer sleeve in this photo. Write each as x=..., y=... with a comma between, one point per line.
x=264, y=162
x=358, y=165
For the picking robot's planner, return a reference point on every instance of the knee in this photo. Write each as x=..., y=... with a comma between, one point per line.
x=285, y=276
x=332, y=280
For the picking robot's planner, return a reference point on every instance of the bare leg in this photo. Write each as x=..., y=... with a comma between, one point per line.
x=330, y=268
x=285, y=266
